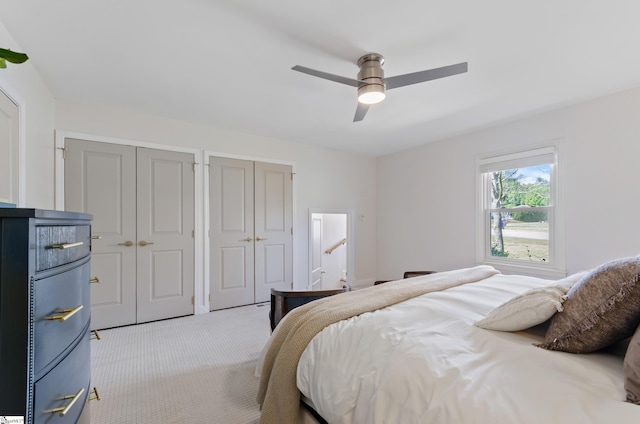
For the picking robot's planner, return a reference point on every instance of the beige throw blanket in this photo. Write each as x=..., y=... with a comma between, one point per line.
x=278, y=394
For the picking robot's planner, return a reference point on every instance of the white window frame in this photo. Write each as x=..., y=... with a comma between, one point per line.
x=548, y=154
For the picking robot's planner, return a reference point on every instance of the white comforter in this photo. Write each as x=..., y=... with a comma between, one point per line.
x=423, y=361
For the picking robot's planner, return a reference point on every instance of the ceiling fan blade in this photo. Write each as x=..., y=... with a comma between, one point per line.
x=361, y=111
x=423, y=76
x=328, y=76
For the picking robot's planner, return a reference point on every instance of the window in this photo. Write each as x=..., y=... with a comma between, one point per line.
x=519, y=217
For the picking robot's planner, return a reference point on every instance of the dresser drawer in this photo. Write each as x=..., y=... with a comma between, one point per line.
x=60, y=244
x=64, y=383
x=56, y=325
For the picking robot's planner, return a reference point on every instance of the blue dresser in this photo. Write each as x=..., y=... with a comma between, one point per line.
x=45, y=314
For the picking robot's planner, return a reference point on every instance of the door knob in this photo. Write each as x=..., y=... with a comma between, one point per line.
x=144, y=243
x=260, y=238
x=127, y=243
x=247, y=239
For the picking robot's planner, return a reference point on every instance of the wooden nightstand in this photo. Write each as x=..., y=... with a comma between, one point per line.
x=283, y=301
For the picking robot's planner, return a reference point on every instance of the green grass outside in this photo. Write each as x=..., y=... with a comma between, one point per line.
x=533, y=226
x=526, y=248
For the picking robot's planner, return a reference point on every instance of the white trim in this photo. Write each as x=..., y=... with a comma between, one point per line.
x=516, y=160
x=549, y=152
x=207, y=154
x=201, y=304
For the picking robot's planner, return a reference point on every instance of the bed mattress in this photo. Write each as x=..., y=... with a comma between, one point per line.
x=424, y=360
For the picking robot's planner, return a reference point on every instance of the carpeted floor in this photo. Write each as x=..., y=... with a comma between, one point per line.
x=195, y=369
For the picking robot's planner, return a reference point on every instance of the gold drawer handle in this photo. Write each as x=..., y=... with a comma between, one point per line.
x=67, y=245
x=96, y=394
x=95, y=335
x=68, y=313
x=95, y=280
x=63, y=411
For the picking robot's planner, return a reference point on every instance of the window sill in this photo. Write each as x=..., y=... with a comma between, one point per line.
x=533, y=271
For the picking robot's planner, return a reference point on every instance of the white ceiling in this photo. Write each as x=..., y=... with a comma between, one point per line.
x=226, y=63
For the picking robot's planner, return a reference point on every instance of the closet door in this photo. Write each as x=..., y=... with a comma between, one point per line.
x=273, y=228
x=142, y=202
x=165, y=234
x=100, y=180
x=231, y=232
x=250, y=220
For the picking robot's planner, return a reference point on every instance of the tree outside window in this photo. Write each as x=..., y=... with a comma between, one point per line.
x=519, y=212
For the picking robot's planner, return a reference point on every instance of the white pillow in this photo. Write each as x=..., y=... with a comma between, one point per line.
x=530, y=308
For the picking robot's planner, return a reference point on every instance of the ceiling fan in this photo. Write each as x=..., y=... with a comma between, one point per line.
x=372, y=84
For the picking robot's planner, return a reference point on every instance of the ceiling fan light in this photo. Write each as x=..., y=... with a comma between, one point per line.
x=371, y=94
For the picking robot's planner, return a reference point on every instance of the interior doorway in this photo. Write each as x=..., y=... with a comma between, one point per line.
x=330, y=247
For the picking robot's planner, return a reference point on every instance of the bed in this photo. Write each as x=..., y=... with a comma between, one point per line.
x=426, y=358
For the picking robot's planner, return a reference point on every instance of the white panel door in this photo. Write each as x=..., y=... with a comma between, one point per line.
x=316, y=251
x=9, y=156
x=165, y=234
x=231, y=232
x=273, y=228
x=100, y=180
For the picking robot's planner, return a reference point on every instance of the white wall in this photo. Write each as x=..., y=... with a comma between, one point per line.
x=23, y=84
x=325, y=179
x=426, y=195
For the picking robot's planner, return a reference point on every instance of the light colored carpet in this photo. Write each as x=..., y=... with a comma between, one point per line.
x=195, y=369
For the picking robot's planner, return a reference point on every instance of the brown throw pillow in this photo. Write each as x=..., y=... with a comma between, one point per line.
x=602, y=308
x=632, y=369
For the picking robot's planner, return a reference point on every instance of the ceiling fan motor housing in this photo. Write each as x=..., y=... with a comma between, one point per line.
x=372, y=75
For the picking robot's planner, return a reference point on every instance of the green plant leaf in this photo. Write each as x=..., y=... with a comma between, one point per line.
x=3, y=64
x=13, y=57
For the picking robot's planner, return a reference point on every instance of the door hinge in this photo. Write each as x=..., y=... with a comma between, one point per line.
x=64, y=152
x=291, y=230
x=209, y=298
x=292, y=174
x=193, y=300
x=194, y=166
x=193, y=233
